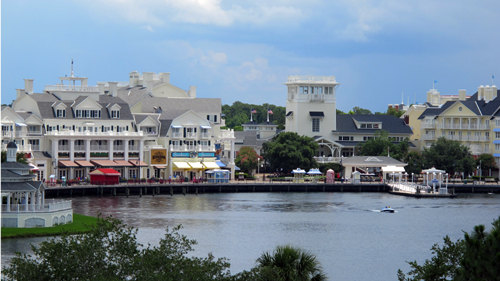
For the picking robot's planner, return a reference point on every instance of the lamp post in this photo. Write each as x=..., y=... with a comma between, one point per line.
x=341, y=168
x=258, y=167
x=480, y=170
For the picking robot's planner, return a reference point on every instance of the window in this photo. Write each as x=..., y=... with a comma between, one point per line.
x=346, y=138
x=497, y=122
x=367, y=138
x=88, y=113
x=60, y=113
x=315, y=124
x=115, y=114
x=497, y=147
x=304, y=89
x=497, y=135
x=328, y=90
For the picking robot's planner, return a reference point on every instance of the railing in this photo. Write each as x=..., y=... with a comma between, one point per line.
x=118, y=147
x=21, y=133
x=133, y=147
x=176, y=135
x=323, y=159
x=291, y=96
x=227, y=134
x=99, y=147
x=37, y=208
x=88, y=133
x=153, y=146
x=316, y=97
x=35, y=132
x=186, y=147
x=63, y=147
x=79, y=88
x=35, y=147
x=428, y=126
x=80, y=147
x=429, y=137
x=205, y=135
x=296, y=78
x=7, y=133
x=190, y=135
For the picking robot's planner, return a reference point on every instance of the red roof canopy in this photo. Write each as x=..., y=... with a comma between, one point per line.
x=109, y=172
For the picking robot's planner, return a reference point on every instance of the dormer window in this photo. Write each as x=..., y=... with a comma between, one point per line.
x=88, y=113
x=115, y=114
x=60, y=113
x=369, y=126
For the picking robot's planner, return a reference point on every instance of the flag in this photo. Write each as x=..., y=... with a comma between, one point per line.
x=492, y=76
x=269, y=111
x=254, y=111
x=435, y=81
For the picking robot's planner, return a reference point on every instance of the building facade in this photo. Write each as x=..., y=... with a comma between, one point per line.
x=140, y=127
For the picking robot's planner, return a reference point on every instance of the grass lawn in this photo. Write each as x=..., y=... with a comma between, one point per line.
x=77, y=226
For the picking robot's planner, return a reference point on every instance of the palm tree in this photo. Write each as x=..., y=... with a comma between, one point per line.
x=288, y=263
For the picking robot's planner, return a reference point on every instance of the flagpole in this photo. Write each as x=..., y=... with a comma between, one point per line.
x=251, y=116
x=267, y=115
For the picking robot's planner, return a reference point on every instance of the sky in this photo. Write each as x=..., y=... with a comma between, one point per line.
x=381, y=52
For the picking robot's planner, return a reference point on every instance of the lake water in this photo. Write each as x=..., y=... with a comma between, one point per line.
x=351, y=238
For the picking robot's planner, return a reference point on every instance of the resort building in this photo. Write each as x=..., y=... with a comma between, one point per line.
x=474, y=121
x=25, y=197
x=143, y=128
x=311, y=111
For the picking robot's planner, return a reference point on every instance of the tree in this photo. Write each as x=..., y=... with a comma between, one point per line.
x=449, y=155
x=487, y=162
x=288, y=151
x=247, y=159
x=20, y=157
x=395, y=112
x=360, y=111
x=476, y=257
x=415, y=162
x=381, y=145
x=111, y=252
x=288, y=263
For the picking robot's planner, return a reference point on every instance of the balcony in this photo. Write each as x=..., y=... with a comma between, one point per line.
x=30, y=133
x=35, y=147
x=187, y=147
x=21, y=134
x=429, y=137
x=205, y=135
x=428, y=126
x=71, y=88
x=323, y=159
x=190, y=135
x=176, y=135
x=153, y=146
x=96, y=147
x=297, y=78
x=118, y=147
x=63, y=147
x=80, y=147
x=88, y=133
x=226, y=134
x=134, y=147
x=7, y=134
x=20, y=148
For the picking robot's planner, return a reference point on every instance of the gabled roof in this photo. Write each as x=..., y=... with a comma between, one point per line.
x=199, y=105
x=21, y=186
x=390, y=123
x=140, y=117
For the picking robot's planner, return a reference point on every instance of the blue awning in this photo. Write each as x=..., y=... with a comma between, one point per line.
x=496, y=141
x=496, y=130
x=220, y=164
x=236, y=168
x=496, y=154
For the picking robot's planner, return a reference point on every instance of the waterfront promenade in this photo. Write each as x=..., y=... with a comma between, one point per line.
x=157, y=188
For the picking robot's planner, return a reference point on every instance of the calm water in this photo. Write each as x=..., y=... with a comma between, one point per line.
x=352, y=240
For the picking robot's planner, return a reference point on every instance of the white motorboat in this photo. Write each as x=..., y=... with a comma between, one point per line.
x=387, y=210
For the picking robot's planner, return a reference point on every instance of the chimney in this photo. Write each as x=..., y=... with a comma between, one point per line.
x=113, y=88
x=488, y=95
x=480, y=93
x=20, y=92
x=494, y=91
x=165, y=77
x=101, y=86
x=28, y=86
x=192, y=92
x=147, y=76
x=149, y=86
x=461, y=94
x=133, y=79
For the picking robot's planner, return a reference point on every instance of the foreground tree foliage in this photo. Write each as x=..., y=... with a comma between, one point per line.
x=288, y=263
x=20, y=157
x=111, y=252
x=449, y=155
x=288, y=151
x=476, y=257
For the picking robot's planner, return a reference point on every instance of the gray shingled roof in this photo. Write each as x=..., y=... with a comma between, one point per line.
x=360, y=161
x=20, y=186
x=139, y=117
x=391, y=124
x=197, y=105
x=47, y=112
x=44, y=97
x=41, y=155
x=9, y=174
x=164, y=126
x=15, y=166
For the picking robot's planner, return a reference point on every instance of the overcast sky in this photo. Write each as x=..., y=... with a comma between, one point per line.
x=244, y=50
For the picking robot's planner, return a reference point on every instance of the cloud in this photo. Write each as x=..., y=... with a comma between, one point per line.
x=148, y=28
x=207, y=12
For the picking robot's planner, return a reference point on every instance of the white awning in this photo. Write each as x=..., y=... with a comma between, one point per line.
x=196, y=165
x=393, y=169
x=206, y=127
x=211, y=165
x=181, y=165
x=176, y=127
x=21, y=124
